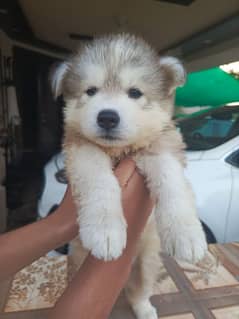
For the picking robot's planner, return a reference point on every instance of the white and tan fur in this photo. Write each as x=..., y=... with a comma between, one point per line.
x=113, y=65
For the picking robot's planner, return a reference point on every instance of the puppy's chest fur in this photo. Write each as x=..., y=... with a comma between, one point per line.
x=117, y=155
x=168, y=141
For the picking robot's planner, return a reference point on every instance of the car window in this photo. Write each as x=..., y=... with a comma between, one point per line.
x=210, y=130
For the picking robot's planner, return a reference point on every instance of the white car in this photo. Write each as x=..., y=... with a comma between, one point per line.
x=213, y=171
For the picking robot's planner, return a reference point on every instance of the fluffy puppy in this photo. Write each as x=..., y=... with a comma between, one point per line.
x=119, y=99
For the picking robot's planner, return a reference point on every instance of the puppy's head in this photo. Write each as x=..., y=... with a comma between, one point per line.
x=118, y=92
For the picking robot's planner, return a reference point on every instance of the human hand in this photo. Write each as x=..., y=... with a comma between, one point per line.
x=136, y=202
x=86, y=288
x=66, y=217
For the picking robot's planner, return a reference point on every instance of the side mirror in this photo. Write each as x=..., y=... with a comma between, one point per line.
x=233, y=159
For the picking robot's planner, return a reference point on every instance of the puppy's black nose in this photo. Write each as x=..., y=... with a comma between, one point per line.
x=108, y=119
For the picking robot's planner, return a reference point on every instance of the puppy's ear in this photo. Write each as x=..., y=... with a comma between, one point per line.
x=56, y=78
x=173, y=73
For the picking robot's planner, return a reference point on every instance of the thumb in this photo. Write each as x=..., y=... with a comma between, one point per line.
x=124, y=171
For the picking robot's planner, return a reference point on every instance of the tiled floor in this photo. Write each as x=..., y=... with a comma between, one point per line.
x=182, y=294
x=227, y=313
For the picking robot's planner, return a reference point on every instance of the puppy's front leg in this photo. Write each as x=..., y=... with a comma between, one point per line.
x=179, y=228
x=98, y=198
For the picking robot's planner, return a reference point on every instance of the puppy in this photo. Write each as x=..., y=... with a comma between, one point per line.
x=119, y=101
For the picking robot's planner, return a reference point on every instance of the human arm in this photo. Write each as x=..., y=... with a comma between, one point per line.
x=94, y=290
x=22, y=246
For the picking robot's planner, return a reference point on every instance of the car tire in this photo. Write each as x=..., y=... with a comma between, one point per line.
x=211, y=239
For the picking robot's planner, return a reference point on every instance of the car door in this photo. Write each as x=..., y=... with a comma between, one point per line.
x=210, y=178
x=214, y=179
x=232, y=226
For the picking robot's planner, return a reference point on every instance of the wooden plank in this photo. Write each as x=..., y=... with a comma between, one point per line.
x=229, y=260
x=220, y=292
x=4, y=290
x=171, y=304
x=219, y=277
x=188, y=293
x=222, y=302
x=234, y=255
x=201, y=312
x=177, y=274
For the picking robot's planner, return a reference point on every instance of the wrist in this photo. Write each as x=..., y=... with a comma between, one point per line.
x=66, y=227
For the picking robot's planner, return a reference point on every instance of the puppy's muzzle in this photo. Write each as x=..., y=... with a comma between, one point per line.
x=108, y=119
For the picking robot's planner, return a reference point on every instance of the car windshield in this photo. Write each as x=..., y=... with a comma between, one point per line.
x=211, y=129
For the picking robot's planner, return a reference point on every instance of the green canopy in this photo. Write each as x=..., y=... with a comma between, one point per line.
x=210, y=87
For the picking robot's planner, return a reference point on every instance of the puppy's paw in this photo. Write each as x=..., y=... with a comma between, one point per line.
x=186, y=242
x=145, y=310
x=105, y=240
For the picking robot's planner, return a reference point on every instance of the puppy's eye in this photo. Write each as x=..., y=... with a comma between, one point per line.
x=134, y=93
x=91, y=91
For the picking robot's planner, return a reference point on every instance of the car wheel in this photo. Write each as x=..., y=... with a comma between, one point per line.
x=65, y=248
x=211, y=239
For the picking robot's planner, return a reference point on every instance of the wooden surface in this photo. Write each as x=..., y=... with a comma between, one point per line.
x=181, y=293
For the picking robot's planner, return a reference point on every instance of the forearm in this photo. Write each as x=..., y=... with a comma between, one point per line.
x=22, y=246
x=94, y=289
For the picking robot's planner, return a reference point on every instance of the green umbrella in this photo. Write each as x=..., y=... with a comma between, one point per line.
x=208, y=87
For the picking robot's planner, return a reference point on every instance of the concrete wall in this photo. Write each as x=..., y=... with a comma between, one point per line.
x=221, y=54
